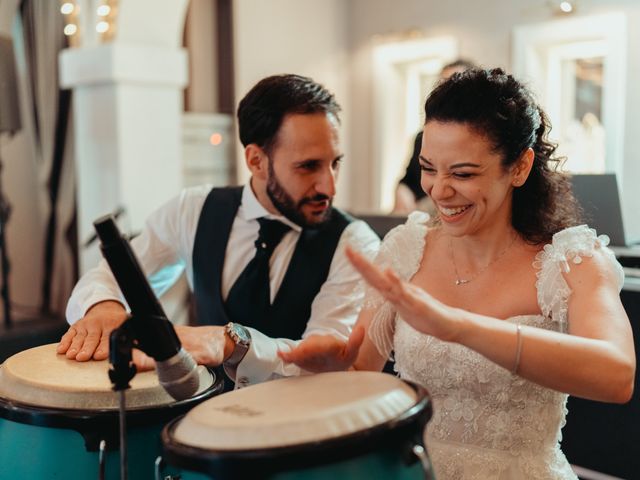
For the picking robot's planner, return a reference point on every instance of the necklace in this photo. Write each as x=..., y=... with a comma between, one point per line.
x=464, y=281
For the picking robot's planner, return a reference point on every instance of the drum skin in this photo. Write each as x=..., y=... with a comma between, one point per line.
x=51, y=442
x=382, y=451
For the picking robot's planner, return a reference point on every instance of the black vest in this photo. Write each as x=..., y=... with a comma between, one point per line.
x=305, y=275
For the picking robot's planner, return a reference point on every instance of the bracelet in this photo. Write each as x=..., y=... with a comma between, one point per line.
x=516, y=364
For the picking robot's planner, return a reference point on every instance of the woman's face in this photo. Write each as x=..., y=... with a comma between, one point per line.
x=465, y=179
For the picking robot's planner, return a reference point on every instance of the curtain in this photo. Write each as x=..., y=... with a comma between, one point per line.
x=49, y=115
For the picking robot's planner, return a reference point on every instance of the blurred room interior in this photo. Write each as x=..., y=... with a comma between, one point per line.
x=115, y=105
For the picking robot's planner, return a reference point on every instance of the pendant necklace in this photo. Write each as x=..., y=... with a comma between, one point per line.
x=463, y=281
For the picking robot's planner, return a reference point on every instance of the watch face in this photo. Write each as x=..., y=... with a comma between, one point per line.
x=242, y=333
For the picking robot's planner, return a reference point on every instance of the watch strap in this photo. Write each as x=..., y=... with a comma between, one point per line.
x=241, y=344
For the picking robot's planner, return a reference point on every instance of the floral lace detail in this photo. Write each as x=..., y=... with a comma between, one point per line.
x=409, y=239
x=568, y=246
x=487, y=423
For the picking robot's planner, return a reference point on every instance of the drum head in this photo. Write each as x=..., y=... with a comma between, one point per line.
x=295, y=411
x=42, y=378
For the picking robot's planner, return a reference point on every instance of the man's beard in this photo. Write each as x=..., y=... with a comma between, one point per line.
x=291, y=209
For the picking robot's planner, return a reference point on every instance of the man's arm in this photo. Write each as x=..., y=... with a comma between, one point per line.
x=96, y=305
x=334, y=311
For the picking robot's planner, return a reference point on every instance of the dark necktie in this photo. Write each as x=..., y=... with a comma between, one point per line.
x=249, y=298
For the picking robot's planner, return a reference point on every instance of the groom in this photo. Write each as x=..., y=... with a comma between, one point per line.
x=266, y=261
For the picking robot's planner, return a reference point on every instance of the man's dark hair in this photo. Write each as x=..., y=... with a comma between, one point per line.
x=502, y=109
x=262, y=110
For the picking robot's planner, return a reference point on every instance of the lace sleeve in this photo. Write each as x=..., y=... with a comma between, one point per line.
x=401, y=251
x=568, y=246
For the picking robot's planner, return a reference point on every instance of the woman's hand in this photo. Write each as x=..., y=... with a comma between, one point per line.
x=325, y=353
x=415, y=306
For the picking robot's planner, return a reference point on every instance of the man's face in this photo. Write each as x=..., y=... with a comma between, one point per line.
x=303, y=168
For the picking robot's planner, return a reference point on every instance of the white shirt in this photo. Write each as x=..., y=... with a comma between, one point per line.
x=165, y=249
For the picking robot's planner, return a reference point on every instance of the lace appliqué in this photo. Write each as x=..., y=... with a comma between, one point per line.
x=568, y=246
x=409, y=239
x=487, y=423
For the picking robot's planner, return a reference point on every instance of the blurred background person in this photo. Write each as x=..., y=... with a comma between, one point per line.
x=409, y=194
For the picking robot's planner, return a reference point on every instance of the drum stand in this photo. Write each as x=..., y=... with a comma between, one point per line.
x=121, y=343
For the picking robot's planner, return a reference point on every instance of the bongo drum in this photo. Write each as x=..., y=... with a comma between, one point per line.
x=338, y=425
x=59, y=417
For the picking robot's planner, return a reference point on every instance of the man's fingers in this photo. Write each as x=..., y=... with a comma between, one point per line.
x=89, y=346
x=65, y=340
x=76, y=344
x=102, y=350
x=142, y=361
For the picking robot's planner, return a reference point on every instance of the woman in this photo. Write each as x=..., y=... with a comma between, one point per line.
x=501, y=308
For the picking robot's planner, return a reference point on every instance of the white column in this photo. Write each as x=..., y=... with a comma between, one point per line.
x=127, y=106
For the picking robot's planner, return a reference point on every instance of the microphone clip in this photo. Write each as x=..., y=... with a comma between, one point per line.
x=121, y=343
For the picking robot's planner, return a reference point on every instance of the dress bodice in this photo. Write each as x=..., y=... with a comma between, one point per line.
x=487, y=422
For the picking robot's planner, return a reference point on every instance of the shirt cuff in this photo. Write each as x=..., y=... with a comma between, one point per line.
x=78, y=309
x=261, y=363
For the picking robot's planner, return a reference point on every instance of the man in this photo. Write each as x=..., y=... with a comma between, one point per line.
x=280, y=227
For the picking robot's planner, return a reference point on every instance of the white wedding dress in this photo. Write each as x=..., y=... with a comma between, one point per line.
x=487, y=423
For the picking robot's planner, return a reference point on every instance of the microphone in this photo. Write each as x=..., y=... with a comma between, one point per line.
x=116, y=214
x=177, y=371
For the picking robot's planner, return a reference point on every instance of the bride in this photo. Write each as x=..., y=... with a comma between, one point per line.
x=503, y=305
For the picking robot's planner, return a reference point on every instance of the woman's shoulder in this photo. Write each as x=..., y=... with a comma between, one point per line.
x=403, y=245
x=574, y=245
x=417, y=223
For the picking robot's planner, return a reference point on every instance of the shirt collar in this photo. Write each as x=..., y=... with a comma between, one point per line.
x=253, y=209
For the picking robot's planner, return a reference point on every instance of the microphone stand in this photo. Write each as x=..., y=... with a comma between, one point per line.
x=121, y=342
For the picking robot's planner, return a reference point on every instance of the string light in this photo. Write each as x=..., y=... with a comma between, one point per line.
x=104, y=19
x=66, y=8
x=215, y=139
x=103, y=10
x=102, y=27
x=70, y=29
x=566, y=7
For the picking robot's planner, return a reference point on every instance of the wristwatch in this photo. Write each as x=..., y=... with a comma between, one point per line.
x=242, y=338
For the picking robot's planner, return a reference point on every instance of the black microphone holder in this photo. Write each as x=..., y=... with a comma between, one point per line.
x=121, y=343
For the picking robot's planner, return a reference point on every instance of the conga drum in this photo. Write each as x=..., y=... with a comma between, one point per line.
x=59, y=417
x=339, y=425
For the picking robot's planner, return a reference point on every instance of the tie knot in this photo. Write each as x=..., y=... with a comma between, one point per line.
x=270, y=234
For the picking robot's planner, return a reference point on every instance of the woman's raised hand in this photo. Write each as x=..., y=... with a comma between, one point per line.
x=415, y=306
x=325, y=353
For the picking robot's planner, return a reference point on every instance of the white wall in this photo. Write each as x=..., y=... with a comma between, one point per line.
x=305, y=37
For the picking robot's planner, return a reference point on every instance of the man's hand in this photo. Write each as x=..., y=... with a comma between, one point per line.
x=208, y=345
x=89, y=337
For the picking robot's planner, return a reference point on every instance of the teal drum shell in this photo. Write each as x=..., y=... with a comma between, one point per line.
x=50, y=443
x=385, y=451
